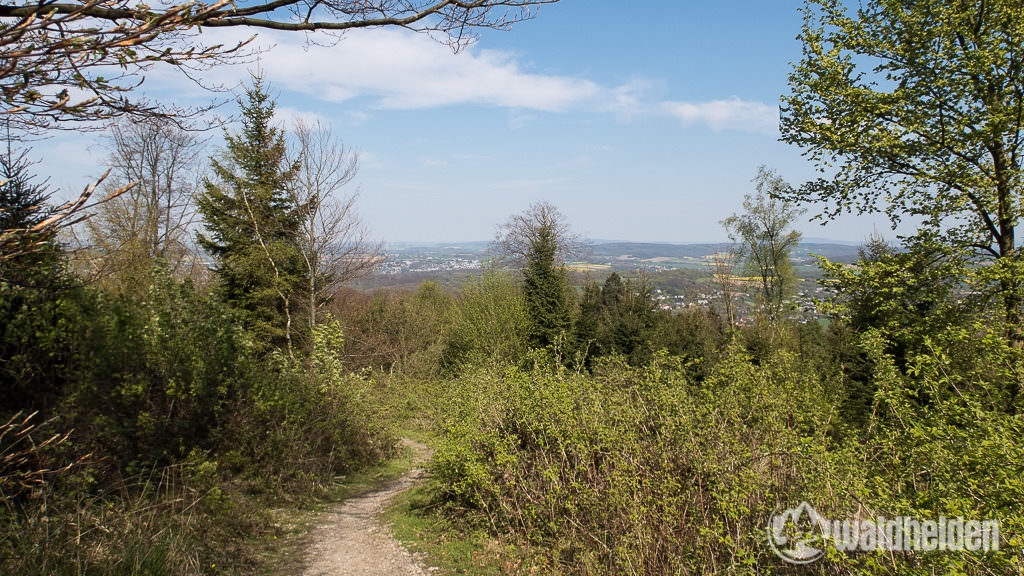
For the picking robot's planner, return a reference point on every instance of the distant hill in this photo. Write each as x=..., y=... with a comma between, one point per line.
x=845, y=253
x=643, y=251
x=474, y=247
x=821, y=240
x=646, y=251
x=410, y=263
x=619, y=254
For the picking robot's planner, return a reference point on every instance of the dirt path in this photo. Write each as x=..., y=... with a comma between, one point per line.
x=351, y=540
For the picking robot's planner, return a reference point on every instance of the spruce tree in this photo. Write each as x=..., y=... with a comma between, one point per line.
x=633, y=326
x=589, y=323
x=611, y=295
x=539, y=240
x=34, y=289
x=24, y=204
x=545, y=284
x=252, y=226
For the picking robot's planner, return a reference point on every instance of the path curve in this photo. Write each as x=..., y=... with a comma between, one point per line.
x=352, y=542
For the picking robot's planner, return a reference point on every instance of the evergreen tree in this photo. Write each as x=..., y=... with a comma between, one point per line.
x=252, y=225
x=545, y=284
x=23, y=204
x=611, y=294
x=635, y=322
x=31, y=367
x=539, y=242
x=588, y=325
x=626, y=319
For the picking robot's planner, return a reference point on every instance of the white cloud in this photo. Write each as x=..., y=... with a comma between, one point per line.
x=732, y=114
x=628, y=100
x=518, y=120
x=405, y=70
x=289, y=117
x=371, y=160
x=625, y=100
x=393, y=69
x=356, y=117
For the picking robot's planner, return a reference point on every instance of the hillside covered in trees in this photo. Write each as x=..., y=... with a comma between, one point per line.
x=188, y=373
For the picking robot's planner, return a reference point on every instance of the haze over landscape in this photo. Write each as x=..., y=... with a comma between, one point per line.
x=646, y=132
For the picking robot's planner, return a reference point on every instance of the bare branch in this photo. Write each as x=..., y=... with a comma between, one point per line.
x=336, y=247
x=21, y=241
x=520, y=233
x=65, y=63
x=723, y=264
x=152, y=221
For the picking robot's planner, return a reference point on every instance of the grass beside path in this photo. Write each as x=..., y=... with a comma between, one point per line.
x=416, y=522
x=286, y=556
x=417, y=518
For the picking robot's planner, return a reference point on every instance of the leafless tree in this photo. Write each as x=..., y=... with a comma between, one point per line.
x=152, y=221
x=516, y=238
x=336, y=245
x=65, y=64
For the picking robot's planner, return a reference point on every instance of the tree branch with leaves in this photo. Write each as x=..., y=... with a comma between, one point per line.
x=764, y=237
x=916, y=109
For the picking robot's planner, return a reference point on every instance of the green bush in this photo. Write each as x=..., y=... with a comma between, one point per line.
x=637, y=470
x=652, y=471
x=309, y=418
x=175, y=428
x=490, y=322
x=943, y=444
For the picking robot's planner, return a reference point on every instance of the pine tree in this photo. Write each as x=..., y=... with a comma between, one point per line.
x=34, y=286
x=252, y=226
x=22, y=202
x=611, y=295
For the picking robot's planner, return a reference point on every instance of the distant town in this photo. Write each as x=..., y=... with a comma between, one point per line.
x=679, y=274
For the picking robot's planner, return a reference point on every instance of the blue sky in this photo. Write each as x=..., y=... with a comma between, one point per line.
x=644, y=123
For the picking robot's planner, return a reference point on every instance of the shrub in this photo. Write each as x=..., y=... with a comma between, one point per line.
x=653, y=471
x=637, y=470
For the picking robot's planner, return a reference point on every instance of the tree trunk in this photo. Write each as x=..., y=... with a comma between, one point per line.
x=1009, y=284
